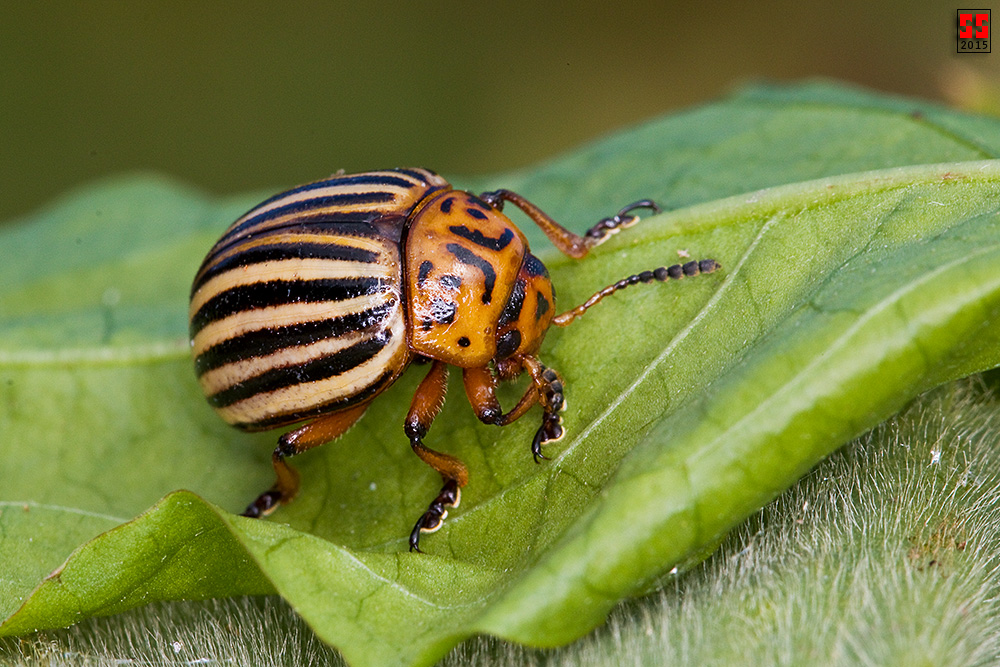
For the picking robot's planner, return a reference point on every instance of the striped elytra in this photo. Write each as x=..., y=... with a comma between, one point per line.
x=297, y=310
x=317, y=299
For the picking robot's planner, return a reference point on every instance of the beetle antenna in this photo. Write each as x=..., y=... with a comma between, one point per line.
x=662, y=274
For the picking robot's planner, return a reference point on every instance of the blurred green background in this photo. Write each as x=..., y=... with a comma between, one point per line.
x=233, y=96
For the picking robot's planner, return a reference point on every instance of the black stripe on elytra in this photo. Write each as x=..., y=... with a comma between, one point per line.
x=324, y=408
x=344, y=223
x=321, y=368
x=420, y=174
x=481, y=239
x=268, y=340
x=289, y=250
x=334, y=201
x=354, y=179
x=466, y=256
x=279, y=292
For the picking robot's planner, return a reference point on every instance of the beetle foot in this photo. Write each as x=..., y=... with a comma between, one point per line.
x=553, y=399
x=620, y=220
x=551, y=430
x=436, y=513
x=536, y=445
x=266, y=503
x=553, y=402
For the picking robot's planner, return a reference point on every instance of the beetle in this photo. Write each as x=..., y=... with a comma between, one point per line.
x=316, y=300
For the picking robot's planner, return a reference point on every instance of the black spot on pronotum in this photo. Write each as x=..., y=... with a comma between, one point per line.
x=534, y=266
x=508, y=344
x=425, y=268
x=481, y=239
x=451, y=282
x=475, y=213
x=464, y=342
x=541, y=307
x=514, y=304
x=466, y=256
x=443, y=311
x=446, y=205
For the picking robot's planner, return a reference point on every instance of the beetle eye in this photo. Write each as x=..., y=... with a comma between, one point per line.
x=508, y=343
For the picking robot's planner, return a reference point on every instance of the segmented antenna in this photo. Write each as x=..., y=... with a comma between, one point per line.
x=662, y=274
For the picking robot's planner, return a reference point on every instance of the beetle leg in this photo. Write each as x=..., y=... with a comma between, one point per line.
x=426, y=405
x=480, y=387
x=566, y=241
x=549, y=389
x=623, y=219
x=317, y=432
x=545, y=388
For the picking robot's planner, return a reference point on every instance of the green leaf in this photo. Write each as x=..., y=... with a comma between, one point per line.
x=886, y=553
x=839, y=300
x=857, y=318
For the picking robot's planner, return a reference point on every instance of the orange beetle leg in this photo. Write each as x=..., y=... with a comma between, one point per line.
x=529, y=398
x=317, y=432
x=426, y=405
x=566, y=241
x=480, y=387
x=546, y=388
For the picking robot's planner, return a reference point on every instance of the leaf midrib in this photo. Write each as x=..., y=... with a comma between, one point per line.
x=889, y=179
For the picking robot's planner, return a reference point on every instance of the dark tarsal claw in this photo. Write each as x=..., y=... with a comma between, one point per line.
x=622, y=218
x=551, y=429
x=536, y=445
x=436, y=512
x=264, y=505
x=553, y=401
x=642, y=203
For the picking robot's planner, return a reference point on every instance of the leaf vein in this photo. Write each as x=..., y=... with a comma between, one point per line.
x=61, y=508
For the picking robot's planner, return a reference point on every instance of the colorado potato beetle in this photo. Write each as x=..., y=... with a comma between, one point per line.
x=316, y=300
